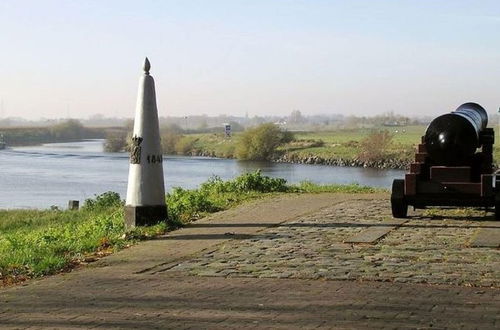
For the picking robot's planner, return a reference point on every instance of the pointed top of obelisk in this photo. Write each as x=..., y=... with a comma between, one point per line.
x=146, y=66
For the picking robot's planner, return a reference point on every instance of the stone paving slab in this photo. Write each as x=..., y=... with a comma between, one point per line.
x=265, y=265
x=374, y=233
x=488, y=236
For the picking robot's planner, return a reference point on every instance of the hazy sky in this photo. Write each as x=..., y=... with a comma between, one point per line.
x=78, y=58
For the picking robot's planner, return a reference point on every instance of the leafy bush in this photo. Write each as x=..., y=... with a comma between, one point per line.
x=287, y=137
x=169, y=141
x=248, y=182
x=170, y=136
x=102, y=201
x=116, y=141
x=216, y=195
x=184, y=205
x=185, y=145
x=256, y=182
x=375, y=146
x=260, y=143
x=69, y=130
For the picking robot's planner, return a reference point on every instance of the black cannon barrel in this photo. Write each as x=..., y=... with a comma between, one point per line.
x=452, y=139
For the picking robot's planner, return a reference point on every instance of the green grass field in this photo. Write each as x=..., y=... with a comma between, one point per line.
x=408, y=135
x=342, y=143
x=332, y=144
x=212, y=144
x=345, y=143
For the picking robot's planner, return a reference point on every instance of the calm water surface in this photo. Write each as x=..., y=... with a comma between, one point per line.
x=52, y=174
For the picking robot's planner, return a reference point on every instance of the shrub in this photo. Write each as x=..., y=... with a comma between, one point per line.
x=259, y=143
x=248, y=182
x=170, y=136
x=375, y=146
x=184, y=205
x=102, y=201
x=287, y=137
x=169, y=141
x=68, y=130
x=115, y=142
x=257, y=182
x=216, y=195
x=185, y=145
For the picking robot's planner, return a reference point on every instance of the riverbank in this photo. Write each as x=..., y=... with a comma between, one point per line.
x=333, y=148
x=389, y=163
x=311, y=159
x=336, y=148
x=36, y=243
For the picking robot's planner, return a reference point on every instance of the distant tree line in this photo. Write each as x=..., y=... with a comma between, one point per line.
x=70, y=130
x=295, y=120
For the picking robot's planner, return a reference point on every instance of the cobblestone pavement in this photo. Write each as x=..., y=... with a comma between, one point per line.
x=433, y=249
x=180, y=302
x=278, y=263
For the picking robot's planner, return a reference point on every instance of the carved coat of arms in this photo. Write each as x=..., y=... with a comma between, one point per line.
x=135, y=152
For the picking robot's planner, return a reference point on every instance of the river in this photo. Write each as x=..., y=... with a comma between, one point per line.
x=52, y=174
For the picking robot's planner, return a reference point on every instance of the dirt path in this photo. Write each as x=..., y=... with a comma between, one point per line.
x=277, y=263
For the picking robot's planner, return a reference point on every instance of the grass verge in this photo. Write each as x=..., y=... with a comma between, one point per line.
x=35, y=243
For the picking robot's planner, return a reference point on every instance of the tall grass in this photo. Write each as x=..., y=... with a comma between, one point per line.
x=40, y=242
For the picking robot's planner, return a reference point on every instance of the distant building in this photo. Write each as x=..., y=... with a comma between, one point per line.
x=227, y=129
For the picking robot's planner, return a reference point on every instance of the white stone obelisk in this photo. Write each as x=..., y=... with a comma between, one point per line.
x=145, y=203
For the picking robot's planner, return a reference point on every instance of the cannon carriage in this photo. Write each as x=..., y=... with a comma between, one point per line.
x=448, y=171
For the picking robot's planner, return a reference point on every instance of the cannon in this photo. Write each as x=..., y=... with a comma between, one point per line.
x=453, y=165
